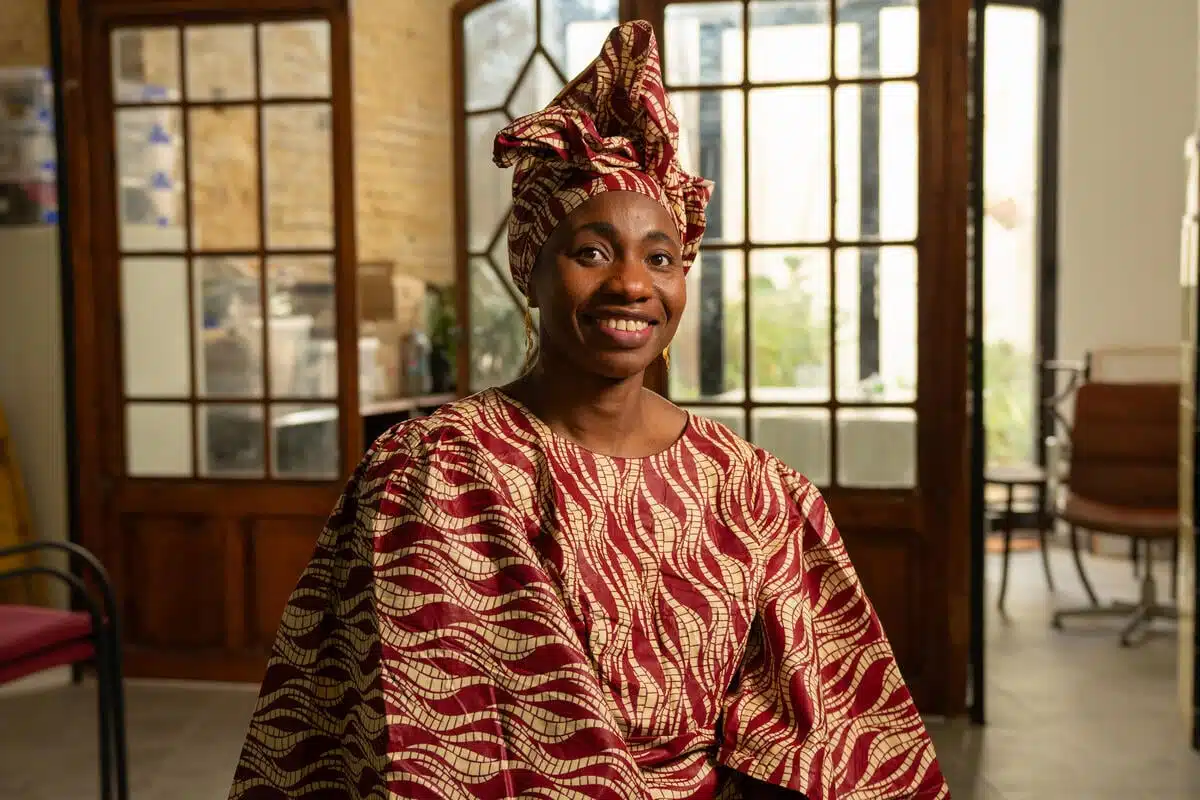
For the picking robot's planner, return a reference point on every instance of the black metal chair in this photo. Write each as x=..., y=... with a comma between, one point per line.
x=34, y=639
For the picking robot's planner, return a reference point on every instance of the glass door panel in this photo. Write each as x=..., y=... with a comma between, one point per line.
x=225, y=219
x=516, y=56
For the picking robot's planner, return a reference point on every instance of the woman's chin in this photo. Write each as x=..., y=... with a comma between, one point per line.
x=617, y=365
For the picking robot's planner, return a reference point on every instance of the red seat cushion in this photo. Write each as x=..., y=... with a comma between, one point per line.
x=33, y=639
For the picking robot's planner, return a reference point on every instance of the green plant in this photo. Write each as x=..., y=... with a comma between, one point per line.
x=1009, y=407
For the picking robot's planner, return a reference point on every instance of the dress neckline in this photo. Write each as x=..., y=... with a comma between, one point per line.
x=548, y=434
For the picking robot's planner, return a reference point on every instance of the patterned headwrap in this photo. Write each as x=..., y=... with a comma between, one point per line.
x=610, y=129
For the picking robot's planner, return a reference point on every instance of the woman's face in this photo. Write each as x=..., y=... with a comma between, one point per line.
x=610, y=285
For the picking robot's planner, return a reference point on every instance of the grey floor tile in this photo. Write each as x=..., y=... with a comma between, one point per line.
x=1072, y=716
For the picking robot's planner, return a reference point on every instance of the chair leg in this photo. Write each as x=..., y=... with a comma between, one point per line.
x=104, y=712
x=1083, y=578
x=1148, y=608
x=1043, y=524
x=120, y=748
x=1008, y=535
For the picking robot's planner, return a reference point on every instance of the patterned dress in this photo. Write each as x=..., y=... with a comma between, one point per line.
x=494, y=612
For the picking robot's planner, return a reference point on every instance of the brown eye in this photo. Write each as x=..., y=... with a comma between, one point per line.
x=589, y=254
x=661, y=260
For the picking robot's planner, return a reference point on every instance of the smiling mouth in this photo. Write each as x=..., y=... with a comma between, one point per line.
x=628, y=325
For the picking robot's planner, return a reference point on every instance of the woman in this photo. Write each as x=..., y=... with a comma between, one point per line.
x=569, y=588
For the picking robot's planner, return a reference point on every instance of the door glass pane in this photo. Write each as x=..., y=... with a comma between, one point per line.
x=156, y=348
x=877, y=324
x=703, y=44
x=295, y=59
x=231, y=437
x=789, y=40
x=732, y=417
x=304, y=443
x=158, y=440
x=490, y=194
x=224, y=178
x=573, y=32
x=799, y=437
x=220, y=62
x=538, y=87
x=149, y=172
x=298, y=164
x=145, y=65
x=877, y=162
x=303, y=330
x=497, y=328
x=789, y=151
x=1012, y=86
x=708, y=352
x=789, y=311
x=229, y=356
x=712, y=144
x=497, y=40
x=887, y=34
x=877, y=448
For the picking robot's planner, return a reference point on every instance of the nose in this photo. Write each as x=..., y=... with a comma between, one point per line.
x=630, y=279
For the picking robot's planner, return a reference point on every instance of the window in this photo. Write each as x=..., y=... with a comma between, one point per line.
x=1011, y=280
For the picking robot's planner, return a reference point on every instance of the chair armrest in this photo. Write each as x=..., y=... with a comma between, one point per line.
x=99, y=573
x=76, y=583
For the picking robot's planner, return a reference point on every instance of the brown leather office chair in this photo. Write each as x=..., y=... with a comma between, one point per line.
x=1123, y=480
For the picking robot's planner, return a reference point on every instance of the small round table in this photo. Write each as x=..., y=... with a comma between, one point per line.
x=1011, y=477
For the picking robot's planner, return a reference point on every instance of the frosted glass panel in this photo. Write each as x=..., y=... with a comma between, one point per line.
x=156, y=351
x=877, y=448
x=798, y=436
x=789, y=151
x=158, y=440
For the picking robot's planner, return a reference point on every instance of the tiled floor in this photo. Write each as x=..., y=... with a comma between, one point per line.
x=1072, y=717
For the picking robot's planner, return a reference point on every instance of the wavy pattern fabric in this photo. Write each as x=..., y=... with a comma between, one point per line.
x=495, y=612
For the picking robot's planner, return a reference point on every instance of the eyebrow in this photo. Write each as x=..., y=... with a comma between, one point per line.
x=609, y=232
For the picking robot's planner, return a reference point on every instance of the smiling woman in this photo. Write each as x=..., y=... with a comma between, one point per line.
x=569, y=587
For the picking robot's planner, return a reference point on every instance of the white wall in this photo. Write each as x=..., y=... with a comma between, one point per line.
x=1128, y=100
x=31, y=371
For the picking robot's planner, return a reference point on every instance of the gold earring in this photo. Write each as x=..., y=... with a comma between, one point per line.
x=667, y=358
x=530, y=342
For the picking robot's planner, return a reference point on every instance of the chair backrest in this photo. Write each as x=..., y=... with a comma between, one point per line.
x=1125, y=444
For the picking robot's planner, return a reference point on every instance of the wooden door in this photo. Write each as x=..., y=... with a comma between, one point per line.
x=209, y=190
x=827, y=317
x=1189, y=438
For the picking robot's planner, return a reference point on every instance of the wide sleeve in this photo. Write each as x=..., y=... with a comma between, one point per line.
x=319, y=729
x=820, y=707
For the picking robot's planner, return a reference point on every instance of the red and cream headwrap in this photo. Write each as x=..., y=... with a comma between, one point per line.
x=610, y=129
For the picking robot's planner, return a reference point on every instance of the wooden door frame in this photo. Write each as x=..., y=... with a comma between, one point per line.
x=939, y=508
x=82, y=97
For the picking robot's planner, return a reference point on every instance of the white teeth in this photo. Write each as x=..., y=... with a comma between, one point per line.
x=624, y=324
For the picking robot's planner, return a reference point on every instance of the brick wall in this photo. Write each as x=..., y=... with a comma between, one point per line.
x=24, y=34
